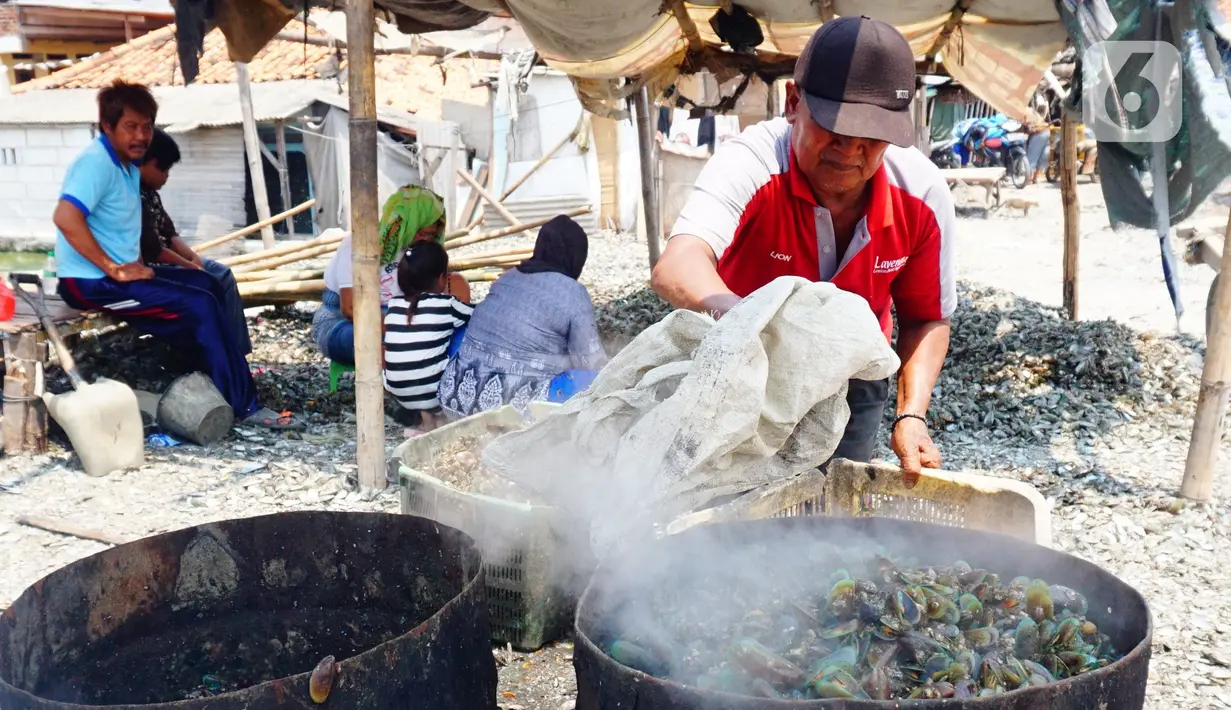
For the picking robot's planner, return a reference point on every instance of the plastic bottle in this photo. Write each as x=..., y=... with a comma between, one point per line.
x=49, y=275
x=8, y=301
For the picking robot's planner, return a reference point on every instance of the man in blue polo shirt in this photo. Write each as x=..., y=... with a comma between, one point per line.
x=98, y=250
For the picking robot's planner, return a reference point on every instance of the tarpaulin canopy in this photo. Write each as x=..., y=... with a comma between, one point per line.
x=997, y=48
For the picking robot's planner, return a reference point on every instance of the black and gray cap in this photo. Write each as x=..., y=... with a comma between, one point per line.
x=857, y=76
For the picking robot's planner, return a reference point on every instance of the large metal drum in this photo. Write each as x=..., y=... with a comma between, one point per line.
x=237, y=614
x=778, y=548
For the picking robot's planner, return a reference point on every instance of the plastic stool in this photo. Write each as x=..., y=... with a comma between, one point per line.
x=335, y=371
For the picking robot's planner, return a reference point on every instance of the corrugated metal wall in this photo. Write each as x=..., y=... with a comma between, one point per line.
x=205, y=194
x=541, y=208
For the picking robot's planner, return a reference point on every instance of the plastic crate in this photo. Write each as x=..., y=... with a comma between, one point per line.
x=961, y=500
x=537, y=559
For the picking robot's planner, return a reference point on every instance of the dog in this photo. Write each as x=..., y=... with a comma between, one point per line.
x=1017, y=204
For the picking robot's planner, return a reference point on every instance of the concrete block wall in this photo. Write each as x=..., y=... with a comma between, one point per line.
x=33, y=161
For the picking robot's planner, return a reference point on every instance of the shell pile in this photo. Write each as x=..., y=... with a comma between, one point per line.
x=1022, y=371
x=460, y=465
x=890, y=631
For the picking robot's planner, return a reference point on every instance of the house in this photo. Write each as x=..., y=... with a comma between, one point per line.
x=37, y=37
x=295, y=87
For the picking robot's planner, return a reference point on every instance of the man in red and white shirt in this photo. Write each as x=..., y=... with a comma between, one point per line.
x=834, y=192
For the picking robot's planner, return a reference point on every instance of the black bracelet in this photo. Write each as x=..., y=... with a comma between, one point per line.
x=900, y=417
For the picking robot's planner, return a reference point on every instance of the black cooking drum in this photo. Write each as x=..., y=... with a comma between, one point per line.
x=295, y=610
x=694, y=617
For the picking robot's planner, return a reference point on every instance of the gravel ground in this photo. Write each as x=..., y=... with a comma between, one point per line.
x=1095, y=414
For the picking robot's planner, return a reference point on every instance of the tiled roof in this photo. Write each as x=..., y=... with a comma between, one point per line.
x=411, y=84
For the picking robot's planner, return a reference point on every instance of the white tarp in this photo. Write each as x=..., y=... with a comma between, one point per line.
x=327, y=148
x=693, y=409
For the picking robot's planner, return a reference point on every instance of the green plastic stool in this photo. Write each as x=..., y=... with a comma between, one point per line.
x=335, y=371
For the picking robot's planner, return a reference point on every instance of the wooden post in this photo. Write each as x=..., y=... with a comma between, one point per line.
x=1203, y=447
x=649, y=189
x=252, y=146
x=25, y=416
x=1072, y=218
x=284, y=177
x=365, y=236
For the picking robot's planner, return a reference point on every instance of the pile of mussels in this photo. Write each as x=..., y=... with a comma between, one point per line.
x=895, y=633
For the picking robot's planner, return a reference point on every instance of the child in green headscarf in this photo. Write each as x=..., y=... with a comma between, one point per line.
x=411, y=214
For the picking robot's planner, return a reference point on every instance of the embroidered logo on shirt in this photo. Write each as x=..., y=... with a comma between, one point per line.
x=888, y=267
x=780, y=256
x=902, y=93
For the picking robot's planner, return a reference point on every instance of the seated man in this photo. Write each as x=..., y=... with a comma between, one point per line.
x=160, y=244
x=98, y=249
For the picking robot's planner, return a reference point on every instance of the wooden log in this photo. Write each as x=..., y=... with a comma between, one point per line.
x=1208, y=423
x=1072, y=216
x=282, y=250
x=365, y=256
x=506, y=231
x=193, y=409
x=274, y=263
x=285, y=288
x=495, y=203
x=63, y=528
x=219, y=241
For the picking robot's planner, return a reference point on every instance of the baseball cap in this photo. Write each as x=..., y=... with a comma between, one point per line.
x=857, y=76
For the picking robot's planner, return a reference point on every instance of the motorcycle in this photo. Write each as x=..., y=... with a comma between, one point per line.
x=944, y=154
x=1083, y=156
x=999, y=142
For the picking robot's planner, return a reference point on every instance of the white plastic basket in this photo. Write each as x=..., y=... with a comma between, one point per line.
x=536, y=559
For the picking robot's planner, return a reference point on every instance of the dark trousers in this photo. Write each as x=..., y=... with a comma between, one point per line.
x=184, y=307
x=232, y=303
x=866, y=400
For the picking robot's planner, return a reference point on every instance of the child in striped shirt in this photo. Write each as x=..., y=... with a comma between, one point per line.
x=418, y=327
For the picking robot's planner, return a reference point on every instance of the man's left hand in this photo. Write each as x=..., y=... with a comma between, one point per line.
x=914, y=447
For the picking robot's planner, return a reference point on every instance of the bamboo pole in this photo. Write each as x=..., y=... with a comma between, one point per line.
x=287, y=288
x=263, y=275
x=472, y=200
x=1208, y=423
x=1072, y=216
x=426, y=51
x=480, y=275
x=551, y=152
x=280, y=276
x=649, y=190
x=527, y=251
x=252, y=146
x=506, y=231
x=270, y=264
x=281, y=251
x=253, y=227
x=545, y=157
x=480, y=263
x=495, y=203
x=365, y=236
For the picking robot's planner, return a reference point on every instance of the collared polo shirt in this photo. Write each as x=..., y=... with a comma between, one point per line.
x=754, y=207
x=108, y=193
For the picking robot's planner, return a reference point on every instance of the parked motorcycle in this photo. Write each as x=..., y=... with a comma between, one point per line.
x=943, y=154
x=1083, y=156
x=999, y=142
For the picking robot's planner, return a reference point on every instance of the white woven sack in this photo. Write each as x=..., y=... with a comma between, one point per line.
x=692, y=409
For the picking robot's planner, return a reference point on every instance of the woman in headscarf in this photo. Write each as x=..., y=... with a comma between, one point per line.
x=410, y=215
x=536, y=325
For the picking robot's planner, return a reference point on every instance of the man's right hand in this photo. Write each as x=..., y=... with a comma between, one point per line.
x=135, y=271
